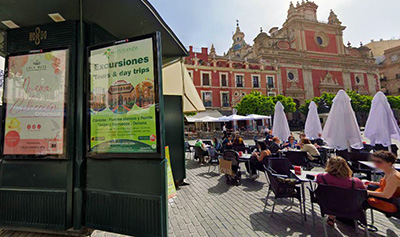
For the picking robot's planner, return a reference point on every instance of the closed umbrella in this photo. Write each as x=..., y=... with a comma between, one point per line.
x=381, y=125
x=280, y=127
x=313, y=124
x=341, y=129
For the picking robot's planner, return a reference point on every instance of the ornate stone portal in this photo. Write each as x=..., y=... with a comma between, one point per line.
x=297, y=93
x=329, y=84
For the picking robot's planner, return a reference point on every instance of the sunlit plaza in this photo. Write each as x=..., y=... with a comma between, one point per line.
x=199, y=118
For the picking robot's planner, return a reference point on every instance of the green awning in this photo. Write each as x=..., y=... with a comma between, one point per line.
x=121, y=18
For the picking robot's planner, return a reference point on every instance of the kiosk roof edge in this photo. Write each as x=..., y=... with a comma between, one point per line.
x=123, y=19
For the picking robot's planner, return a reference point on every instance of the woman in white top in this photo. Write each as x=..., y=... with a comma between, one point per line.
x=311, y=150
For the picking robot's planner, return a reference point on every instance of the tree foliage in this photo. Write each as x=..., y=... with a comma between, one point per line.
x=325, y=99
x=257, y=103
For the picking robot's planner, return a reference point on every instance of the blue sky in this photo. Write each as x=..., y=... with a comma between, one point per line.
x=202, y=22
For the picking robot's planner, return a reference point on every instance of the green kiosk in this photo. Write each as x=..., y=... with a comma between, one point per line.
x=83, y=132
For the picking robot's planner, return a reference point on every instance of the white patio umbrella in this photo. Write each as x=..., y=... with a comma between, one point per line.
x=280, y=127
x=257, y=117
x=381, y=125
x=207, y=119
x=235, y=117
x=313, y=123
x=254, y=117
x=341, y=130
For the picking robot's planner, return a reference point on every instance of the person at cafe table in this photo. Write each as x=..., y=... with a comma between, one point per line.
x=276, y=145
x=227, y=144
x=338, y=174
x=291, y=143
x=258, y=160
x=389, y=185
x=311, y=150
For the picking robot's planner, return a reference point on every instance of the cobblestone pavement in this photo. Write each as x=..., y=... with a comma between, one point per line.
x=210, y=207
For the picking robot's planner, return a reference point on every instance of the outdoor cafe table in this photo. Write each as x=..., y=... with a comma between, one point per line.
x=371, y=165
x=245, y=158
x=303, y=179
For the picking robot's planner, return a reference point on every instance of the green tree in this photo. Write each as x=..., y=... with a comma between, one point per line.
x=287, y=102
x=257, y=103
x=327, y=99
x=394, y=102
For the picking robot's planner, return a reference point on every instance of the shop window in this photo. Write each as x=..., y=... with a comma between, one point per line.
x=207, y=98
x=239, y=81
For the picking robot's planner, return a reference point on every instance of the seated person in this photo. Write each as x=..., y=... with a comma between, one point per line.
x=258, y=160
x=389, y=185
x=305, y=145
x=291, y=143
x=319, y=141
x=227, y=144
x=199, y=143
x=216, y=144
x=238, y=144
x=268, y=135
x=276, y=146
x=339, y=174
x=302, y=135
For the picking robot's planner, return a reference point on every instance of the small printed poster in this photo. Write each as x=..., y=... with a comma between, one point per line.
x=35, y=99
x=122, y=98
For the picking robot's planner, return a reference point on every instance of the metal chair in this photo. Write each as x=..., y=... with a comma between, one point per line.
x=281, y=189
x=214, y=158
x=354, y=159
x=342, y=202
x=280, y=166
x=298, y=158
x=199, y=153
x=188, y=150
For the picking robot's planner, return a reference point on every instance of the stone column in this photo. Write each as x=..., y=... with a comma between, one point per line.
x=371, y=83
x=346, y=80
x=308, y=83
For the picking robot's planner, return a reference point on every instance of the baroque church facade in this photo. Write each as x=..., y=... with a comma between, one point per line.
x=302, y=59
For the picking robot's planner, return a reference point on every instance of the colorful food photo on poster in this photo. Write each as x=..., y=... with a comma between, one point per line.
x=122, y=98
x=35, y=97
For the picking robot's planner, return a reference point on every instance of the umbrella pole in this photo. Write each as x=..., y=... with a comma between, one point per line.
x=348, y=146
x=390, y=143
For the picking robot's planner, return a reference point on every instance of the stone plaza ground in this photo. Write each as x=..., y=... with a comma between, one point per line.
x=210, y=207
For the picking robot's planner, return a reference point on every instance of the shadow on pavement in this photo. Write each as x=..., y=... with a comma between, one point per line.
x=221, y=186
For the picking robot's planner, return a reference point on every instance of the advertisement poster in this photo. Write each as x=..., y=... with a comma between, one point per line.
x=122, y=98
x=1, y=76
x=34, y=97
x=170, y=177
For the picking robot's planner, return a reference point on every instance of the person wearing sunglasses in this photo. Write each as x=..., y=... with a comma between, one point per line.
x=389, y=185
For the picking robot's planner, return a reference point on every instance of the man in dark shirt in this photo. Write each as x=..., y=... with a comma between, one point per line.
x=275, y=147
